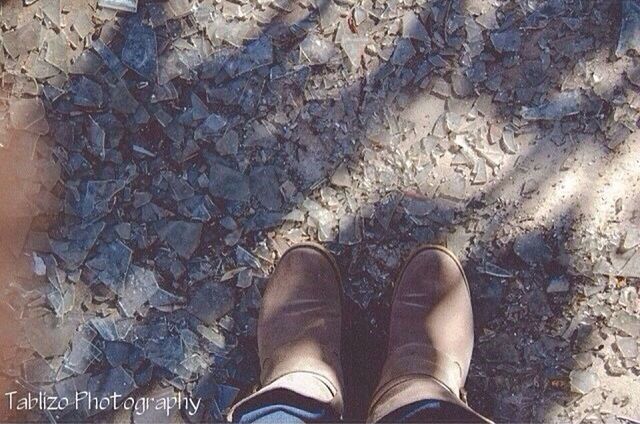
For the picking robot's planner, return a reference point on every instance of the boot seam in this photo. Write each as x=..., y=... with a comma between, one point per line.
x=403, y=379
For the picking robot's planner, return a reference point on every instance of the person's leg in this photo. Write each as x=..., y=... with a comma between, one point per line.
x=299, y=337
x=430, y=343
x=284, y=406
x=431, y=411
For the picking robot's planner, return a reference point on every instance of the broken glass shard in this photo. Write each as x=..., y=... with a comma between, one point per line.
x=114, y=381
x=261, y=134
x=163, y=299
x=244, y=278
x=628, y=346
x=354, y=48
x=244, y=257
x=48, y=335
x=558, y=284
x=228, y=183
x=22, y=40
x=225, y=396
x=117, y=353
x=143, y=151
x=86, y=93
x=55, y=275
x=111, y=264
x=341, y=177
x=183, y=236
x=386, y=208
x=480, y=172
x=52, y=93
x=56, y=51
x=109, y=57
x=492, y=155
x=265, y=187
x=96, y=137
x=83, y=351
x=180, y=188
x=263, y=220
x=140, y=51
x=96, y=198
x=317, y=50
x=508, y=142
x=211, y=301
x=62, y=300
x=124, y=5
x=403, y=52
x=199, y=208
x=82, y=24
x=329, y=13
x=462, y=86
x=494, y=270
x=68, y=388
x=74, y=251
x=413, y=28
x=167, y=351
x=38, y=266
x=349, y=230
x=199, y=110
x=106, y=327
x=122, y=101
x=140, y=285
x=454, y=187
x=210, y=128
x=257, y=54
x=27, y=113
x=170, y=66
x=51, y=9
x=625, y=322
x=506, y=41
x=631, y=239
x=629, y=38
x=532, y=248
x=326, y=230
x=566, y=103
x=228, y=143
x=37, y=370
x=123, y=327
x=583, y=381
x=180, y=8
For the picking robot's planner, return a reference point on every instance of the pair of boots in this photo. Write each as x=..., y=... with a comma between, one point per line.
x=430, y=335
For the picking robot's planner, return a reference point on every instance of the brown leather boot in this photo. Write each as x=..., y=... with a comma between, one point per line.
x=299, y=328
x=430, y=335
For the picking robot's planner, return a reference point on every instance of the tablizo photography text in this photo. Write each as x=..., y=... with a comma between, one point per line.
x=86, y=401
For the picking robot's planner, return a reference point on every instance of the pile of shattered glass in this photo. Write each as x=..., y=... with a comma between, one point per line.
x=174, y=150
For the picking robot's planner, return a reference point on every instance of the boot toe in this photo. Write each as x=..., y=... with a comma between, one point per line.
x=432, y=270
x=431, y=313
x=299, y=327
x=309, y=263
